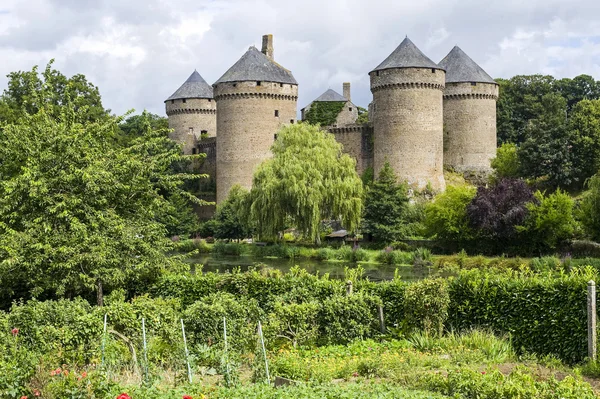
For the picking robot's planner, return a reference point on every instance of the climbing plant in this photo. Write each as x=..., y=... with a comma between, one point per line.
x=324, y=113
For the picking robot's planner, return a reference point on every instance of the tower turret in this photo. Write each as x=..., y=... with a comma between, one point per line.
x=192, y=112
x=408, y=118
x=469, y=114
x=255, y=97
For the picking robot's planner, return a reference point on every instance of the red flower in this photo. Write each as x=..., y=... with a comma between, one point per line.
x=483, y=372
x=23, y=397
x=123, y=396
x=187, y=397
x=14, y=331
x=36, y=392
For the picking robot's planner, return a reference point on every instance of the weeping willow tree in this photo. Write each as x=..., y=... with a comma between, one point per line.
x=308, y=180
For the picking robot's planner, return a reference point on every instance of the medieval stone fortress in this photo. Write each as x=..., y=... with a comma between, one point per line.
x=424, y=117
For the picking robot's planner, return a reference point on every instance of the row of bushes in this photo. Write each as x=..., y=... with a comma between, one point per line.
x=543, y=314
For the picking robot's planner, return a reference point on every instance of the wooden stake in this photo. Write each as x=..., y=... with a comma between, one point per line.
x=103, y=339
x=145, y=349
x=381, y=320
x=264, y=351
x=187, y=354
x=591, y=313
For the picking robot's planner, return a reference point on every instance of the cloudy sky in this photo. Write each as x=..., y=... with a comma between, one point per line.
x=140, y=51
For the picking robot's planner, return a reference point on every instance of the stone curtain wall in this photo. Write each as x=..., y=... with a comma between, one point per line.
x=357, y=141
x=470, y=126
x=196, y=113
x=408, y=122
x=247, y=125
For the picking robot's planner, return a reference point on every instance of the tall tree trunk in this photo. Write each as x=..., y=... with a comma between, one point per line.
x=99, y=293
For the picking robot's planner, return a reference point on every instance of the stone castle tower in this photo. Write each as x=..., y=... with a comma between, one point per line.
x=408, y=117
x=192, y=112
x=469, y=114
x=255, y=97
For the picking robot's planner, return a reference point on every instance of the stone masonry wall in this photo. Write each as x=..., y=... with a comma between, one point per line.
x=470, y=126
x=199, y=114
x=247, y=124
x=348, y=115
x=357, y=141
x=408, y=124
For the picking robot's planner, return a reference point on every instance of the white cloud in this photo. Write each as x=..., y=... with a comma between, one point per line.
x=139, y=52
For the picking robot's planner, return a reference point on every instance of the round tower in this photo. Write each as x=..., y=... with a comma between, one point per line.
x=408, y=117
x=469, y=115
x=192, y=113
x=255, y=97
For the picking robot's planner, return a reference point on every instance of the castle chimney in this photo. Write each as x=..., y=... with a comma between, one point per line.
x=347, y=95
x=267, y=46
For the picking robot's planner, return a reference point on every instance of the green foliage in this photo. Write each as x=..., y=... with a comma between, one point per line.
x=295, y=323
x=230, y=217
x=386, y=204
x=544, y=315
x=363, y=116
x=90, y=212
x=426, y=306
x=204, y=321
x=584, y=123
x=446, y=217
x=368, y=176
x=324, y=113
x=590, y=208
x=550, y=221
x=29, y=92
x=345, y=318
x=307, y=180
x=506, y=163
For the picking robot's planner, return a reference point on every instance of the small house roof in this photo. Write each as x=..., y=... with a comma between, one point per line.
x=461, y=68
x=331, y=96
x=254, y=65
x=407, y=55
x=194, y=87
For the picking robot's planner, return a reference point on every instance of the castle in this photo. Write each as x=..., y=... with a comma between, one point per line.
x=424, y=117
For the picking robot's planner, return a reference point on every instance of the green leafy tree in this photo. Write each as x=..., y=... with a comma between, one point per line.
x=590, y=208
x=231, y=222
x=78, y=212
x=506, y=163
x=584, y=125
x=546, y=154
x=363, y=115
x=550, y=221
x=29, y=91
x=386, y=204
x=309, y=179
x=446, y=217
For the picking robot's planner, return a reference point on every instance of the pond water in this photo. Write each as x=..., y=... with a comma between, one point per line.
x=375, y=272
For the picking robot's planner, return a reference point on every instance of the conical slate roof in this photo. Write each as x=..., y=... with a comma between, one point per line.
x=331, y=96
x=254, y=65
x=194, y=87
x=461, y=68
x=407, y=55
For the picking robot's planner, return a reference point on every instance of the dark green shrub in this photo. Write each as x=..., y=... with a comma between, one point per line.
x=426, y=305
x=360, y=255
x=544, y=315
x=585, y=248
x=204, y=321
x=394, y=257
x=232, y=248
x=293, y=323
x=326, y=254
x=345, y=318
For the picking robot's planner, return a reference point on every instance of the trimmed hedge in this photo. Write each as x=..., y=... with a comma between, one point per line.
x=544, y=315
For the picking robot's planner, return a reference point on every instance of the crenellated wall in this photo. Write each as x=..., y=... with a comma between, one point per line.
x=247, y=122
x=470, y=126
x=408, y=124
x=189, y=118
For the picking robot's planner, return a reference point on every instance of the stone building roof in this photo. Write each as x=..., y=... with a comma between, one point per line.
x=460, y=68
x=254, y=65
x=331, y=95
x=194, y=87
x=407, y=55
